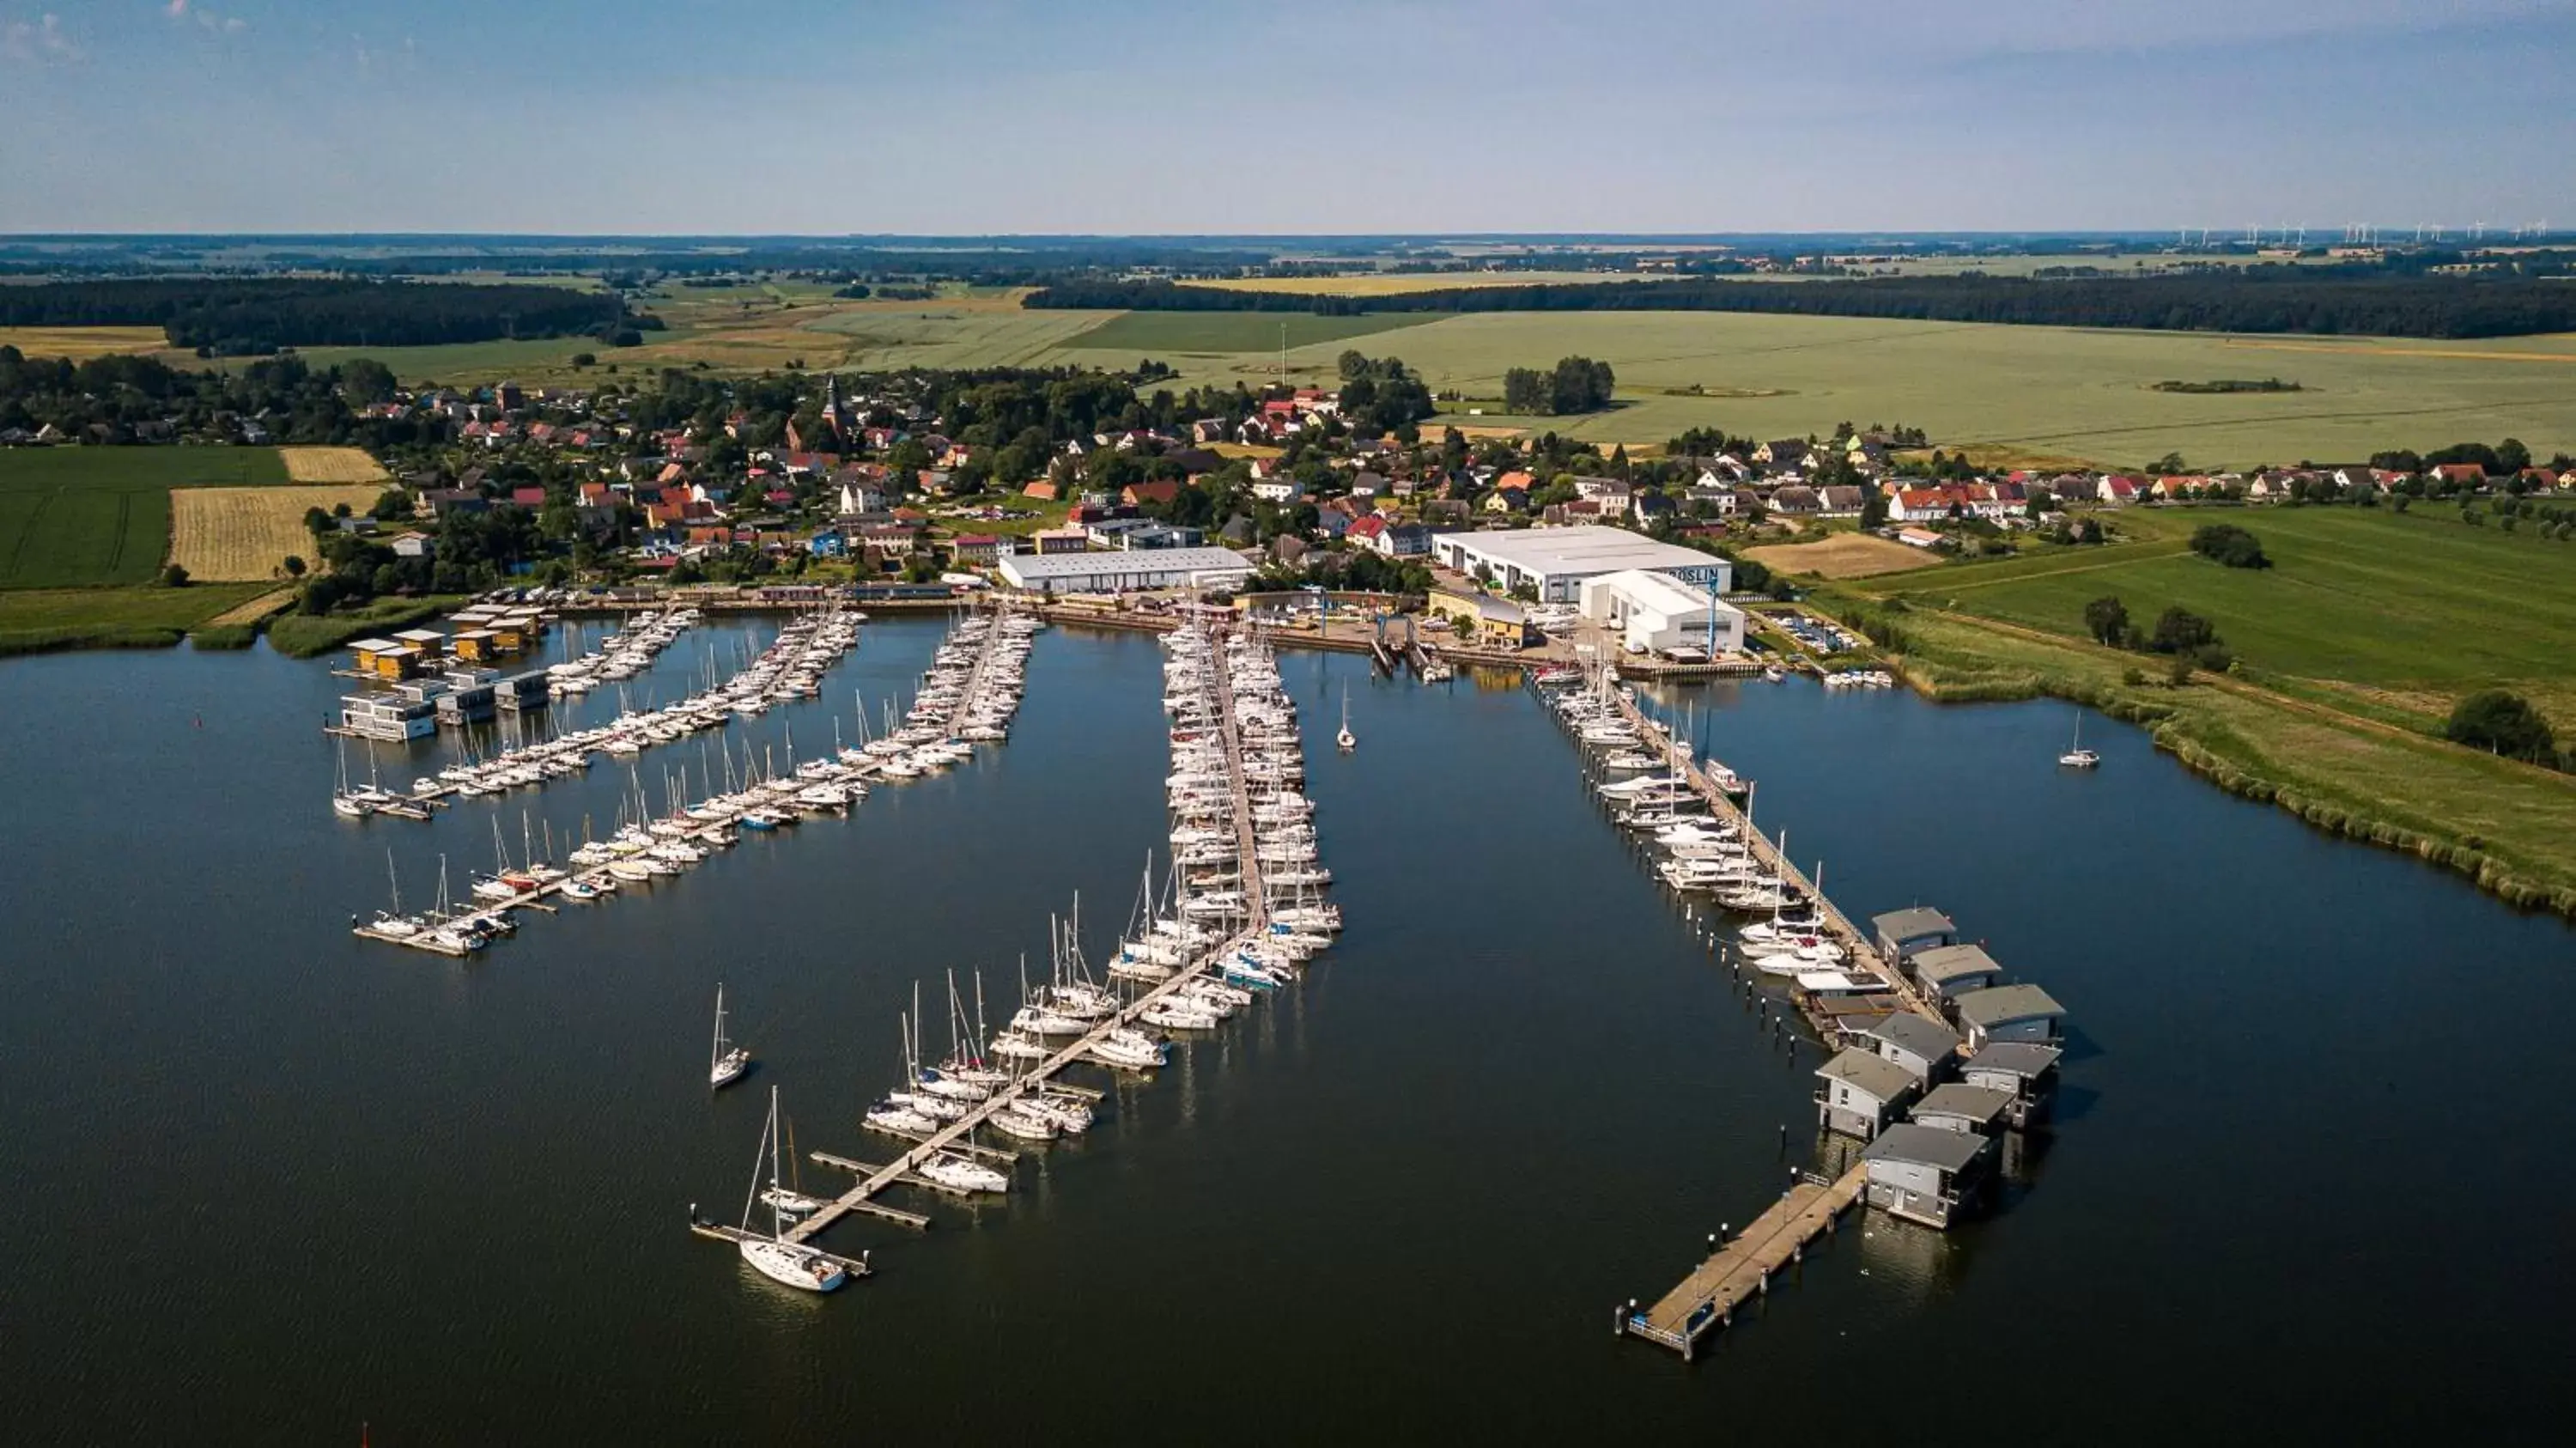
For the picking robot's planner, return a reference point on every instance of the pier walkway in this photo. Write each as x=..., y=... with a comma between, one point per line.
x=1741, y=1267
x=1838, y=926
x=958, y=1135
x=702, y=823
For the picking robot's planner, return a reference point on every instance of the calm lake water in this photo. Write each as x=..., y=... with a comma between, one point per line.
x=269, y=1181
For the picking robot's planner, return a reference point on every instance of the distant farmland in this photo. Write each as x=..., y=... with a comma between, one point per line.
x=1155, y=334
x=76, y=517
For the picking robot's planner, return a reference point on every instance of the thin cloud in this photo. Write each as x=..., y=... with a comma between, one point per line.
x=39, y=42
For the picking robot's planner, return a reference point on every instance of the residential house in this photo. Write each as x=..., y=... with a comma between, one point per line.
x=976, y=549
x=1947, y=971
x=1366, y=532
x=1335, y=516
x=1138, y=495
x=1714, y=498
x=1649, y=507
x=1841, y=500
x=1796, y=500
x=2116, y=490
x=1969, y=1110
x=2460, y=475
x=2026, y=1070
x=1279, y=487
x=1917, y=927
x=1783, y=453
x=1211, y=429
x=1602, y=490
x=1922, y=538
x=1405, y=540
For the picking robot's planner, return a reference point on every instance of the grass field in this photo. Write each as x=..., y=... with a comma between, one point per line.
x=1844, y=555
x=2418, y=606
x=1162, y=334
x=330, y=465
x=242, y=535
x=78, y=517
x=82, y=343
x=1388, y=284
x=2353, y=648
x=36, y=619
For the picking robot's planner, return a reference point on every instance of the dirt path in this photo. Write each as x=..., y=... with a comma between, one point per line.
x=253, y=610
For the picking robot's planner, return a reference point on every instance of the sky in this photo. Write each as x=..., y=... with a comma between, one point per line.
x=833, y=117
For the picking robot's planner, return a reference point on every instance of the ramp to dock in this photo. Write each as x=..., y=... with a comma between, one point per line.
x=1742, y=1268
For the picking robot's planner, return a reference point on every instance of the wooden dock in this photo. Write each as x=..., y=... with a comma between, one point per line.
x=1742, y=1267
x=1863, y=951
x=698, y=831
x=959, y=1135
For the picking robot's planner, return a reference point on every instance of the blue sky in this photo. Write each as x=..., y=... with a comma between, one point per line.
x=1210, y=116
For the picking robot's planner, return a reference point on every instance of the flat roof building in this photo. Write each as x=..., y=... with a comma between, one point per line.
x=1554, y=562
x=1125, y=572
x=1657, y=613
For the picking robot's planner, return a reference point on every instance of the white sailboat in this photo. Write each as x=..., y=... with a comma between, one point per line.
x=1346, y=741
x=729, y=1061
x=2076, y=755
x=774, y=1256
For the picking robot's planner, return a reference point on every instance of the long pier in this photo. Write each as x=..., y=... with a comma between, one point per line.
x=873, y=1181
x=1862, y=950
x=699, y=831
x=1742, y=1266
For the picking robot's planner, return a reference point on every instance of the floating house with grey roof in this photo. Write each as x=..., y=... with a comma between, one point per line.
x=1922, y=1046
x=1925, y=1174
x=1859, y=1092
x=2025, y=1069
x=1947, y=971
x=1920, y=927
x=1956, y=1106
x=2010, y=1013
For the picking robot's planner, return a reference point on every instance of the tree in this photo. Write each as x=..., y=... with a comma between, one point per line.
x=174, y=576
x=2107, y=620
x=1873, y=507
x=294, y=566
x=2179, y=630
x=2228, y=545
x=2502, y=723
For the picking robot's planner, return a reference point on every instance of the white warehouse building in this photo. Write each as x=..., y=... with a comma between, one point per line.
x=1124, y=571
x=1555, y=561
x=1657, y=613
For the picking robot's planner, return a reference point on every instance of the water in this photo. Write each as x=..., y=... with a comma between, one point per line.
x=270, y=1181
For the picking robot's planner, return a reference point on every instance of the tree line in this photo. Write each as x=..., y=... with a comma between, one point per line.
x=1575, y=384
x=2257, y=299
x=255, y=316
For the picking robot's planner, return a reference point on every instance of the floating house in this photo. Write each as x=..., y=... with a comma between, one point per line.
x=1949, y=971
x=2010, y=1013
x=1902, y=932
x=1921, y=1046
x=408, y=711
x=2026, y=1070
x=1858, y=1092
x=1925, y=1174
x=1977, y=1110
x=475, y=645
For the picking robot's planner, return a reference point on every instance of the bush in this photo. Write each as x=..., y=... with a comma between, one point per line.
x=2228, y=544
x=2502, y=723
x=2180, y=631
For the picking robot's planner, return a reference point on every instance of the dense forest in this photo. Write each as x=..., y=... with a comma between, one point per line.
x=2258, y=299
x=254, y=316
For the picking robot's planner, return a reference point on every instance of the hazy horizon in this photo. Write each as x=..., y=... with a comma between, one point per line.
x=1151, y=118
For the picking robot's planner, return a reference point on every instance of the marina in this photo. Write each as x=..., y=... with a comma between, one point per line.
x=1502, y=996
x=969, y=694
x=1236, y=803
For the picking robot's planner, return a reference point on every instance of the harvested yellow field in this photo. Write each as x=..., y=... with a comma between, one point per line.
x=1845, y=555
x=252, y=610
x=82, y=343
x=243, y=535
x=331, y=465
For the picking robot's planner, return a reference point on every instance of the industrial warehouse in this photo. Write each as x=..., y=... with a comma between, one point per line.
x=1554, y=562
x=1124, y=572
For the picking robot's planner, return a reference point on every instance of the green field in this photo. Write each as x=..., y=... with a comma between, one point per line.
x=74, y=517
x=32, y=619
x=2352, y=650
x=2399, y=612
x=1158, y=334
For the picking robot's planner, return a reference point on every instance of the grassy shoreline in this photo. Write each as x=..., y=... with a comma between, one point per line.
x=2508, y=826
x=302, y=636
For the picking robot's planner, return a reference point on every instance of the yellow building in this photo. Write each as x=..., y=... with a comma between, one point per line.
x=1481, y=618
